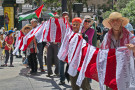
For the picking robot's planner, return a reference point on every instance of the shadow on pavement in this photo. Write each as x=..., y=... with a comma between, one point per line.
x=1, y=68
x=24, y=72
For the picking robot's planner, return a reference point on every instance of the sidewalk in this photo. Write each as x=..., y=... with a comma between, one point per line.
x=17, y=78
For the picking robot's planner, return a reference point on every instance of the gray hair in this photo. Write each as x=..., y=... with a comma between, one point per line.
x=34, y=20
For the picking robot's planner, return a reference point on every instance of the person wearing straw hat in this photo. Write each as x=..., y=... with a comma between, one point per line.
x=31, y=51
x=117, y=35
x=26, y=28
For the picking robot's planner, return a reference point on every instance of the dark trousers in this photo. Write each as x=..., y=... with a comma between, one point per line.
x=85, y=84
x=9, y=53
x=61, y=67
x=52, y=52
x=32, y=60
x=40, y=54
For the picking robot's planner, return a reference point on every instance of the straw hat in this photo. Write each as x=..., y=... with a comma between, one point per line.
x=89, y=17
x=27, y=25
x=115, y=15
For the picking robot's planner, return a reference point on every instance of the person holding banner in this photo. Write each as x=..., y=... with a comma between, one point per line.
x=34, y=24
x=85, y=84
x=31, y=51
x=118, y=35
x=61, y=63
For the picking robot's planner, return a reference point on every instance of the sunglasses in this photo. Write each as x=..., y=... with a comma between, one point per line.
x=87, y=21
x=27, y=28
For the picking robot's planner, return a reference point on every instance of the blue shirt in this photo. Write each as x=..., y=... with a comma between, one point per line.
x=129, y=27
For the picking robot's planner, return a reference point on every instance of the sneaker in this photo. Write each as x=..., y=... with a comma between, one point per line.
x=19, y=56
x=49, y=75
x=42, y=70
x=11, y=66
x=61, y=82
x=57, y=75
x=33, y=73
x=4, y=65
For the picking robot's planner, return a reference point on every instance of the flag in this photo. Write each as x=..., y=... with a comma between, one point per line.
x=51, y=14
x=29, y=37
x=31, y=14
x=111, y=67
x=19, y=42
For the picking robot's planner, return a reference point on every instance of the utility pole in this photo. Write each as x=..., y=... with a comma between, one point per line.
x=112, y=4
x=40, y=2
x=64, y=5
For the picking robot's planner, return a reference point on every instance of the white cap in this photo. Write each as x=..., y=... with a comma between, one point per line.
x=87, y=17
x=65, y=12
x=2, y=28
x=34, y=20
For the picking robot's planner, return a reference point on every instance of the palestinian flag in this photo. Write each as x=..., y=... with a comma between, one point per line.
x=35, y=13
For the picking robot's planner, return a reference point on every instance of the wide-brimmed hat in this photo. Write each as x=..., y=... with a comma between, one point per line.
x=27, y=25
x=89, y=17
x=115, y=15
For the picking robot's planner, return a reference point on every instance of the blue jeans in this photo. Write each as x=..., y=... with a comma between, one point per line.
x=40, y=54
x=6, y=26
x=61, y=67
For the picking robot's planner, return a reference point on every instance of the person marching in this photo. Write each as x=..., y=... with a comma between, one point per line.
x=40, y=48
x=61, y=63
x=85, y=84
x=31, y=51
x=117, y=35
x=52, y=52
x=1, y=48
x=9, y=40
x=87, y=30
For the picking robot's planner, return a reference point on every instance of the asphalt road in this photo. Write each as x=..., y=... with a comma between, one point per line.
x=18, y=78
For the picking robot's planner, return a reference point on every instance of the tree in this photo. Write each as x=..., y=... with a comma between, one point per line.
x=54, y=5
x=107, y=13
x=129, y=11
x=121, y=3
x=117, y=6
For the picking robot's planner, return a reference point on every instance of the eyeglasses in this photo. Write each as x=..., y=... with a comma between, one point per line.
x=87, y=21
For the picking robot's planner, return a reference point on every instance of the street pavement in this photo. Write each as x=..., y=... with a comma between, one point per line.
x=18, y=78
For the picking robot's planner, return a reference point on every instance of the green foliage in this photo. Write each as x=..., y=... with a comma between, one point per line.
x=129, y=11
x=122, y=3
x=54, y=4
x=120, y=6
x=107, y=13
